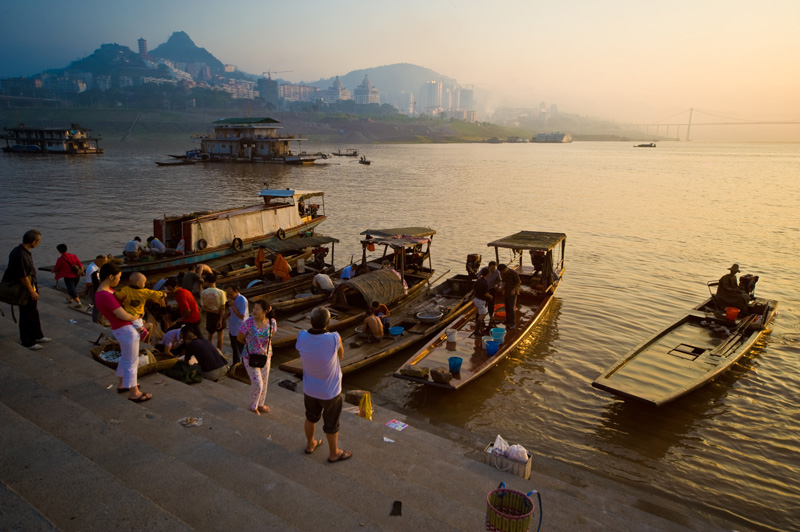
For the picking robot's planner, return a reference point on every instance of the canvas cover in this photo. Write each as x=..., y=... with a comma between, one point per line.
x=381, y=285
x=529, y=240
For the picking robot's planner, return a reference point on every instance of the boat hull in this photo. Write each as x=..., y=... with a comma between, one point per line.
x=686, y=355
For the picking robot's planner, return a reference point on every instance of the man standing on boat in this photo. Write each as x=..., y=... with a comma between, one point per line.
x=728, y=292
x=511, y=284
x=483, y=298
x=494, y=281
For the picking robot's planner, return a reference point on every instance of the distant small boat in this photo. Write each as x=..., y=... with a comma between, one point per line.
x=179, y=162
x=346, y=153
x=364, y=160
x=650, y=145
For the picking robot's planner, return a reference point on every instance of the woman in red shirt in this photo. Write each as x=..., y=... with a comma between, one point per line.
x=69, y=268
x=123, y=330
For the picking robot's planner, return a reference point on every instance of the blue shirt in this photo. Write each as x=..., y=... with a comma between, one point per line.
x=235, y=322
x=322, y=375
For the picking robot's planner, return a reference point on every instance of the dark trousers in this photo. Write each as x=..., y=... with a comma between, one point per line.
x=30, y=328
x=236, y=347
x=510, y=302
x=490, y=303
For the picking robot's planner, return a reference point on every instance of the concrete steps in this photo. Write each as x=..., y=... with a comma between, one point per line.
x=78, y=456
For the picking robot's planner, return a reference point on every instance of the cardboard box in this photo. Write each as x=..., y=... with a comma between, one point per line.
x=504, y=464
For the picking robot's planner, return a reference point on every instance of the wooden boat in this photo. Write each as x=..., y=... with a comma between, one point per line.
x=649, y=145
x=420, y=317
x=694, y=350
x=539, y=283
x=227, y=233
x=364, y=160
x=346, y=153
x=250, y=140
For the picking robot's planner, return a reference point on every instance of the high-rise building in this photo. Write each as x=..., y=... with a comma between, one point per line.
x=366, y=93
x=465, y=99
x=337, y=91
x=433, y=97
x=142, y=47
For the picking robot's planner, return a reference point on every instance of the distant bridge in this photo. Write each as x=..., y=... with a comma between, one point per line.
x=688, y=125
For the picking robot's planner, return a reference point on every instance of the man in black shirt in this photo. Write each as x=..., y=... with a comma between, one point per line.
x=213, y=365
x=21, y=270
x=511, y=284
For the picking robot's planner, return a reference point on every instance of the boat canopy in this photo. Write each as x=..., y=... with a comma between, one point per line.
x=381, y=285
x=400, y=231
x=294, y=244
x=397, y=241
x=532, y=240
x=289, y=193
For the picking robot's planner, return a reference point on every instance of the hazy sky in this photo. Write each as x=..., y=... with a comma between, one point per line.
x=623, y=60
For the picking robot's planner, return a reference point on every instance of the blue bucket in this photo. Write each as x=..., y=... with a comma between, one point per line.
x=455, y=364
x=499, y=334
x=492, y=347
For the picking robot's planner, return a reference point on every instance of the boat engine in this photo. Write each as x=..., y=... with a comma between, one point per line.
x=319, y=255
x=747, y=283
x=473, y=264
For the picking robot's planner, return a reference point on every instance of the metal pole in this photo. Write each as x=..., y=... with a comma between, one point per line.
x=689, y=126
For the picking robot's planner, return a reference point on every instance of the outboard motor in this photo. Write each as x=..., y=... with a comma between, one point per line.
x=747, y=283
x=473, y=264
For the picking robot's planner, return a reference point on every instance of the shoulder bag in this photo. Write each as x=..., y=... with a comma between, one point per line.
x=14, y=293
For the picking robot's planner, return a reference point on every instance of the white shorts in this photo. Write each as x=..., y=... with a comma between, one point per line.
x=480, y=304
x=138, y=323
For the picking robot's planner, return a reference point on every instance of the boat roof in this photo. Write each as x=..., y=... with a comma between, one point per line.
x=400, y=231
x=293, y=244
x=380, y=285
x=289, y=193
x=529, y=240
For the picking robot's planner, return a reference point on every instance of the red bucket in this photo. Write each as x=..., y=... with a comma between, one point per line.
x=731, y=313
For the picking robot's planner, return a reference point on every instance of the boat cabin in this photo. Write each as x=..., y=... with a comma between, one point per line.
x=403, y=248
x=64, y=140
x=249, y=139
x=546, y=251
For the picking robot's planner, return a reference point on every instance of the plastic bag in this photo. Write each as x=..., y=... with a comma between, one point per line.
x=517, y=453
x=500, y=446
x=365, y=406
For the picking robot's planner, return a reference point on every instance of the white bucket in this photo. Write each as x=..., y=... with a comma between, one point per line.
x=452, y=334
x=301, y=265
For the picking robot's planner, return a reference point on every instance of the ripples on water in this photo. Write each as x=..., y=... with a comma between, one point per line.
x=645, y=230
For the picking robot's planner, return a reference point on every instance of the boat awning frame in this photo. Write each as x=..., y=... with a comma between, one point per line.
x=294, y=244
x=529, y=240
x=289, y=193
x=400, y=231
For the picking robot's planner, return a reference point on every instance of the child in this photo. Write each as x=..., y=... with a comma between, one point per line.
x=133, y=298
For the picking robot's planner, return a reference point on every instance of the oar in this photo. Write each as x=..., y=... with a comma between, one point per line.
x=431, y=282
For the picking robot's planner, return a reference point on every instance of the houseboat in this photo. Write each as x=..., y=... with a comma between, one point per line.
x=73, y=140
x=251, y=140
x=202, y=236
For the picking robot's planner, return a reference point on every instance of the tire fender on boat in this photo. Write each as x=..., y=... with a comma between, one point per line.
x=281, y=234
x=238, y=244
x=202, y=244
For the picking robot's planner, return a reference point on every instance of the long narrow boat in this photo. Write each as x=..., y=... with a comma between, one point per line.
x=458, y=339
x=694, y=350
x=419, y=317
x=226, y=233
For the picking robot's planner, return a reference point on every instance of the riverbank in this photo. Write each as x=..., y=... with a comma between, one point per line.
x=78, y=456
x=132, y=125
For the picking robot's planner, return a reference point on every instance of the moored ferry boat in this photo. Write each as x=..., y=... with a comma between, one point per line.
x=202, y=236
x=73, y=140
x=254, y=139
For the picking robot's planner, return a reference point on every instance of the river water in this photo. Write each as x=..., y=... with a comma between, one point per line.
x=646, y=229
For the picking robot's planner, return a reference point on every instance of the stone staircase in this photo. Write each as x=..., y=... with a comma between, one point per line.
x=78, y=456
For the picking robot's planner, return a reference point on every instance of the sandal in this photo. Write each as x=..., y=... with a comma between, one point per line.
x=317, y=443
x=142, y=398
x=342, y=457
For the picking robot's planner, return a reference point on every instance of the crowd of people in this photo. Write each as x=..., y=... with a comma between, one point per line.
x=123, y=309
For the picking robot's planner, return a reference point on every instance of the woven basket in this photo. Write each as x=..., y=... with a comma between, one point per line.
x=238, y=372
x=164, y=361
x=508, y=511
x=150, y=367
x=98, y=351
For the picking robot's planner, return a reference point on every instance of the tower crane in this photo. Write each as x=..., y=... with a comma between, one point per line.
x=270, y=72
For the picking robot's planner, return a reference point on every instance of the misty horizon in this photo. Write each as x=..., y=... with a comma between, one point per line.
x=624, y=62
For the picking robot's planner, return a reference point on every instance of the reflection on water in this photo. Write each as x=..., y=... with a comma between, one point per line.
x=646, y=229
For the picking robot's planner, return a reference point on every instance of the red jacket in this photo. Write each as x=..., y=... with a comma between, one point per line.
x=63, y=267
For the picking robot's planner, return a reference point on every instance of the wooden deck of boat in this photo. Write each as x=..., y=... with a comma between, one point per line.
x=684, y=356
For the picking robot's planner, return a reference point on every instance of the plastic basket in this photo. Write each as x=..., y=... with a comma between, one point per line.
x=508, y=510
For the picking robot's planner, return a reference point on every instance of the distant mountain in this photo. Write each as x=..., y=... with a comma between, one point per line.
x=107, y=59
x=390, y=80
x=180, y=48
